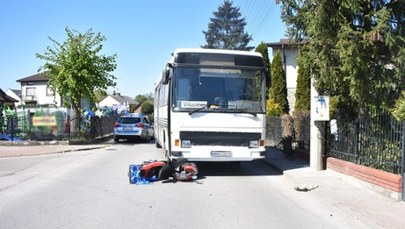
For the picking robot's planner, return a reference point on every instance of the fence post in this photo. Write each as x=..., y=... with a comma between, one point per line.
x=403, y=161
x=68, y=126
x=12, y=128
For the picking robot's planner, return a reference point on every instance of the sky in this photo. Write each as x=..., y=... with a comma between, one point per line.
x=143, y=33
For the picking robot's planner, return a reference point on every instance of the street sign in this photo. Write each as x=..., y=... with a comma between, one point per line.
x=321, y=109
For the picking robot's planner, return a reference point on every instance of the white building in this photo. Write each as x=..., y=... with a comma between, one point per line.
x=117, y=101
x=35, y=92
x=289, y=52
x=15, y=94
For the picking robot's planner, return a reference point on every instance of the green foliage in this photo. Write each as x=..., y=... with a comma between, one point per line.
x=147, y=107
x=303, y=91
x=356, y=48
x=100, y=95
x=399, y=109
x=262, y=48
x=226, y=29
x=132, y=108
x=273, y=108
x=76, y=69
x=142, y=98
x=278, y=89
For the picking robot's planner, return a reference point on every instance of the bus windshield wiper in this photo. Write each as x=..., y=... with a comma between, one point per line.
x=198, y=109
x=216, y=107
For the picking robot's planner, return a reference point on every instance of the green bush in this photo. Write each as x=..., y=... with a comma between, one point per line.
x=147, y=107
x=399, y=110
x=273, y=108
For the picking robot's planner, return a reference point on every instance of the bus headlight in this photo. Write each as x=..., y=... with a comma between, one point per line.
x=254, y=144
x=185, y=143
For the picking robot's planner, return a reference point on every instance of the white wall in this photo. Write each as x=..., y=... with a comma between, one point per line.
x=108, y=101
x=41, y=95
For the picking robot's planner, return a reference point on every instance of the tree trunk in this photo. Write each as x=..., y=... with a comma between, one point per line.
x=75, y=122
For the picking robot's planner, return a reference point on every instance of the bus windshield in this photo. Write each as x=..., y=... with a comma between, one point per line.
x=218, y=90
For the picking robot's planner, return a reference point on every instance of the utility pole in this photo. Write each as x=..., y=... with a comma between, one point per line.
x=319, y=116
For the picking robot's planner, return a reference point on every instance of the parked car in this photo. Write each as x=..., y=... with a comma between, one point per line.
x=134, y=126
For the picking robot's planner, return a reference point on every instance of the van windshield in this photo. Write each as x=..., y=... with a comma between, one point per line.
x=217, y=89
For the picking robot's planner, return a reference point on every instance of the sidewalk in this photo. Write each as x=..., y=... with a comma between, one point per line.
x=340, y=191
x=8, y=149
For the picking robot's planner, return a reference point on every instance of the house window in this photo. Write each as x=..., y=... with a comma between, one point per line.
x=30, y=91
x=49, y=91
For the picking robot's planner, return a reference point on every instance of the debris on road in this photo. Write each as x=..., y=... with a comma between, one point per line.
x=306, y=187
x=150, y=171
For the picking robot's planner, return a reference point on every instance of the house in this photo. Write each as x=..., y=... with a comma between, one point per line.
x=15, y=94
x=35, y=92
x=117, y=101
x=289, y=51
x=6, y=99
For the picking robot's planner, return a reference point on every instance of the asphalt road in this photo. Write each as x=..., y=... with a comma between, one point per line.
x=90, y=189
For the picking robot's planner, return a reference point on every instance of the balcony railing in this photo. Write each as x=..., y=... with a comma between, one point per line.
x=29, y=98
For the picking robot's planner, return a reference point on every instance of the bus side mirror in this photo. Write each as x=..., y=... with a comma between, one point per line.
x=167, y=73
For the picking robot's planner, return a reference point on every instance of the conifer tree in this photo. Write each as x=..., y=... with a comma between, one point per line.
x=227, y=29
x=278, y=89
x=303, y=91
x=262, y=48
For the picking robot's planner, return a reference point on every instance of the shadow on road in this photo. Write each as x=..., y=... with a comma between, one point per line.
x=132, y=142
x=249, y=168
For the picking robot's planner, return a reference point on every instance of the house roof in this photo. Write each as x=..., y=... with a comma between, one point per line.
x=286, y=43
x=122, y=99
x=36, y=77
x=16, y=92
x=5, y=98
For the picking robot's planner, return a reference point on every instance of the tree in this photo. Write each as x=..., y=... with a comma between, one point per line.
x=100, y=95
x=303, y=91
x=278, y=89
x=262, y=48
x=147, y=107
x=356, y=49
x=142, y=98
x=76, y=69
x=227, y=29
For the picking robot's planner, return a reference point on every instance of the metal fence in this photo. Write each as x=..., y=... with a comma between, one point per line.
x=274, y=131
x=48, y=124
x=374, y=140
x=92, y=128
x=296, y=128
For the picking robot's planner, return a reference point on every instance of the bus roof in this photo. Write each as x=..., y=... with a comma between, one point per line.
x=219, y=51
x=216, y=57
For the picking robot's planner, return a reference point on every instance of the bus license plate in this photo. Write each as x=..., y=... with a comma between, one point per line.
x=221, y=154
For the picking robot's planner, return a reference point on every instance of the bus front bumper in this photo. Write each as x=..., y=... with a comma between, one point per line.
x=220, y=154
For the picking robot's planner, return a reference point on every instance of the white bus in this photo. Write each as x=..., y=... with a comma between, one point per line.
x=210, y=106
